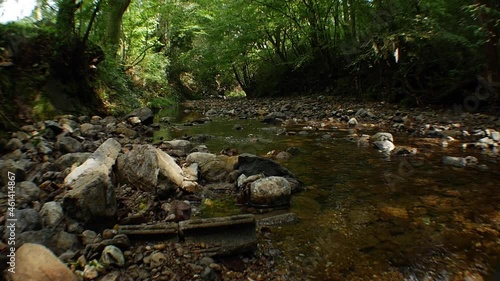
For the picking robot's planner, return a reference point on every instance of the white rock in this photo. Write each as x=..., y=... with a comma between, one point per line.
x=381, y=136
x=270, y=191
x=384, y=146
x=495, y=136
x=454, y=161
x=112, y=255
x=352, y=122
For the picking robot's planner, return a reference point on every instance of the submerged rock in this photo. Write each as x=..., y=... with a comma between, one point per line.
x=270, y=192
x=459, y=161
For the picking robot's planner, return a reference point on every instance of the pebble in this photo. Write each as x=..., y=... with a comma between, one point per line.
x=90, y=272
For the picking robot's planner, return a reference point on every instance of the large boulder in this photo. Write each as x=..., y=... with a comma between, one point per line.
x=213, y=168
x=145, y=115
x=37, y=263
x=146, y=167
x=270, y=192
x=249, y=165
x=91, y=196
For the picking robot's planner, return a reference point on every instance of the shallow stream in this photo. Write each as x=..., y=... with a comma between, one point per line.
x=364, y=216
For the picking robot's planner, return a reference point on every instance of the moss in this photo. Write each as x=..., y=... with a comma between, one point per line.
x=219, y=207
x=43, y=109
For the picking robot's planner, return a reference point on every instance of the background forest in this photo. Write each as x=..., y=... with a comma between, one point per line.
x=113, y=55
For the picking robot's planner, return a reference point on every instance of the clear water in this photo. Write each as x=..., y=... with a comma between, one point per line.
x=367, y=217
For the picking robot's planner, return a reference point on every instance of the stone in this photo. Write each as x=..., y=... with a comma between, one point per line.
x=364, y=140
x=212, y=168
x=13, y=144
x=454, y=161
x=12, y=166
x=51, y=213
x=57, y=241
x=157, y=259
x=270, y=192
x=249, y=165
x=200, y=148
x=384, y=146
x=114, y=276
x=91, y=196
x=68, y=125
x=27, y=220
x=147, y=166
x=70, y=159
x=53, y=126
x=208, y=274
x=134, y=120
x=88, y=237
x=37, y=263
x=352, y=122
x=27, y=191
x=404, y=151
x=191, y=171
x=181, y=210
x=127, y=132
x=388, y=213
x=200, y=157
x=283, y=155
x=44, y=147
x=112, y=255
x=145, y=115
x=67, y=144
x=211, y=112
x=88, y=130
x=109, y=120
x=495, y=136
x=381, y=136
x=177, y=147
x=90, y=272
x=120, y=240
x=206, y=261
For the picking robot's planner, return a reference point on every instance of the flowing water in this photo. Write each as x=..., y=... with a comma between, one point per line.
x=365, y=216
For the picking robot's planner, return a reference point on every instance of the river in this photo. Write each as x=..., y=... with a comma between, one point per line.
x=365, y=216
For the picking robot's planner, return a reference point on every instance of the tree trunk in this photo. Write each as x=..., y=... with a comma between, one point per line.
x=491, y=47
x=115, y=12
x=65, y=22
x=353, y=20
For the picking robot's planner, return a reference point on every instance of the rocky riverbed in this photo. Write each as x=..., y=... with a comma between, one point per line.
x=80, y=178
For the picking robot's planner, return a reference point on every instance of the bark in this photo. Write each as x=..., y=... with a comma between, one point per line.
x=116, y=9
x=65, y=22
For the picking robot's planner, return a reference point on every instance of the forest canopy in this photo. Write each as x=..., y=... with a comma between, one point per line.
x=113, y=55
